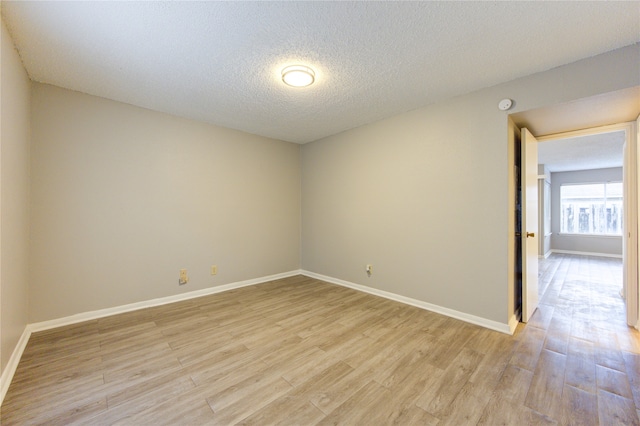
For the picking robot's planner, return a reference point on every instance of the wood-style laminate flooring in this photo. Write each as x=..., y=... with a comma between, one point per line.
x=299, y=351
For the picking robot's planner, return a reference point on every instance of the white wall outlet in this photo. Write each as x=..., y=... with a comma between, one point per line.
x=184, y=278
x=214, y=269
x=369, y=269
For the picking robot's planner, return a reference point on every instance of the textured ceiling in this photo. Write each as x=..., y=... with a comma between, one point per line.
x=582, y=153
x=220, y=62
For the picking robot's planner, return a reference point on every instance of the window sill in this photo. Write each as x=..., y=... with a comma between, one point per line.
x=591, y=235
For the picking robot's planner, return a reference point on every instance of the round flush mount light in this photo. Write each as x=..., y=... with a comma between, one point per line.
x=298, y=76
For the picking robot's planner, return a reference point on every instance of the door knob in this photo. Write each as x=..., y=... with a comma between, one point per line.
x=531, y=234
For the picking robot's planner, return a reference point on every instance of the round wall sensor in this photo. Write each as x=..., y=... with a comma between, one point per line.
x=505, y=104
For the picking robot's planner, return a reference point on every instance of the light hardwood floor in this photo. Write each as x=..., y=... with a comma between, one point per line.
x=300, y=351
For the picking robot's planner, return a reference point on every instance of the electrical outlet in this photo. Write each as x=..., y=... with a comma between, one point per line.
x=369, y=269
x=184, y=278
x=214, y=270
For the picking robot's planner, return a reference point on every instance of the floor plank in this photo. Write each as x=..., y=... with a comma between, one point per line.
x=616, y=410
x=578, y=407
x=545, y=392
x=581, y=366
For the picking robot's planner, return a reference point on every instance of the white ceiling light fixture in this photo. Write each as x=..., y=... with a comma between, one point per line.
x=298, y=76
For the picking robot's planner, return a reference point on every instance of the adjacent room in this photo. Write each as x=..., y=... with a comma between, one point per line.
x=309, y=212
x=581, y=201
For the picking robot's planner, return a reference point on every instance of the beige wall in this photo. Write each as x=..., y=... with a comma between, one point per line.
x=14, y=198
x=123, y=197
x=425, y=196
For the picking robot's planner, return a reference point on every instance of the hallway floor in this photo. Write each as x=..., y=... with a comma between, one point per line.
x=588, y=356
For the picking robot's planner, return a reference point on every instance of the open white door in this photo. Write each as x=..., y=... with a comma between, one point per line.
x=529, y=169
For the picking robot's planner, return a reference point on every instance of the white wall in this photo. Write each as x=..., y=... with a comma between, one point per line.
x=426, y=196
x=582, y=243
x=14, y=198
x=123, y=197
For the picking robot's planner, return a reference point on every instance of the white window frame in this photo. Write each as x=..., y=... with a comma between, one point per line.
x=591, y=234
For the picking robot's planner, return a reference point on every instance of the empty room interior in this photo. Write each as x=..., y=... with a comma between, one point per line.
x=319, y=213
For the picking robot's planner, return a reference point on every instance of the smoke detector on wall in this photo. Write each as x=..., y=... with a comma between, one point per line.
x=505, y=104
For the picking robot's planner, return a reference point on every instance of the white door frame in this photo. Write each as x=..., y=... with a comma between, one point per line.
x=631, y=164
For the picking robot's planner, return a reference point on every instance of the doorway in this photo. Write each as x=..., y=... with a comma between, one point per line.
x=592, y=197
x=613, y=108
x=581, y=198
x=594, y=194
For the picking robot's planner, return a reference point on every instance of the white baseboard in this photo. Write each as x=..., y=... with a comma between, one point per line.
x=546, y=255
x=12, y=365
x=91, y=315
x=483, y=322
x=586, y=253
x=14, y=360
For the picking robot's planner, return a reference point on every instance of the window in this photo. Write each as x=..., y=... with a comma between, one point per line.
x=592, y=209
